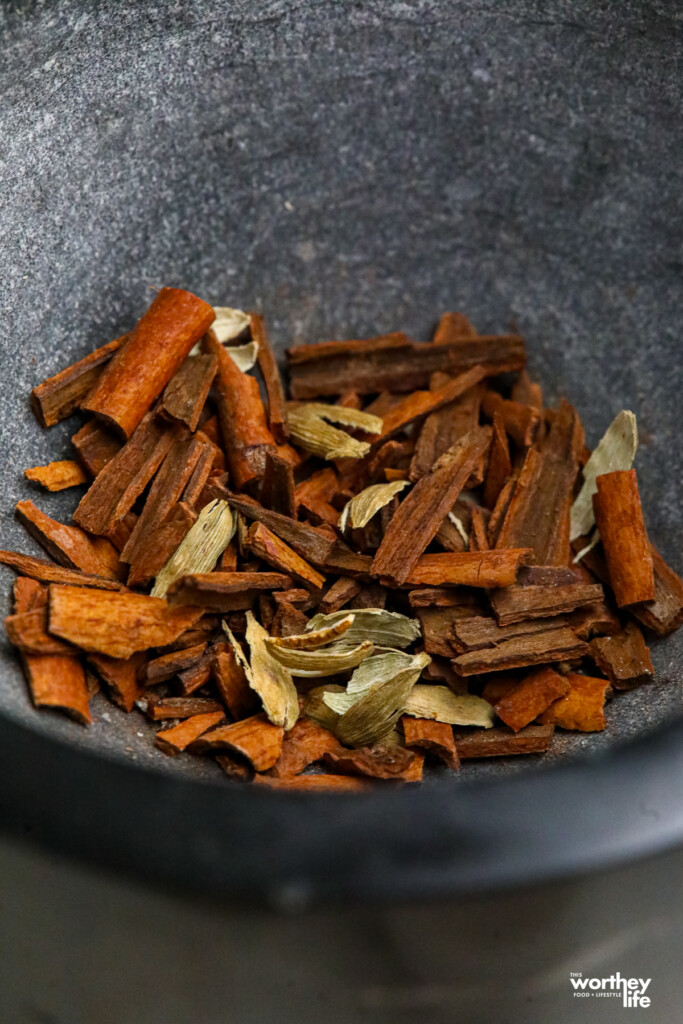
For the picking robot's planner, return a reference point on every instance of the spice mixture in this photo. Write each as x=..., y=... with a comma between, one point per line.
x=401, y=561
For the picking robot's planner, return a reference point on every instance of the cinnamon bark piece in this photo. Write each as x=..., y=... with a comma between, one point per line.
x=193, y=678
x=305, y=743
x=478, y=535
x=113, y=623
x=164, y=540
x=437, y=624
x=224, y=591
x=451, y=327
x=39, y=569
x=345, y=562
x=424, y=403
x=526, y=391
x=521, y=602
x=664, y=614
x=297, y=596
x=468, y=568
x=308, y=542
x=164, y=494
x=378, y=762
x=120, y=533
x=153, y=352
x=161, y=708
x=235, y=767
x=28, y=595
x=277, y=417
x=443, y=428
x=56, y=681
x=597, y=619
x=28, y=632
x=339, y=594
x=619, y=519
x=520, y=421
x=315, y=783
x=158, y=670
x=393, y=363
x=531, y=697
x=255, y=738
x=59, y=396
x=277, y=486
x=57, y=476
x=95, y=446
x=246, y=437
x=264, y=544
x=498, y=686
x=69, y=545
x=232, y=684
x=174, y=741
x=199, y=476
x=315, y=494
x=500, y=509
x=372, y=468
x=422, y=512
x=186, y=392
x=500, y=466
x=228, y=560
x=125, y=477
x=582, y=707
x=121, y=677
x=288, y=621
x=623, y=657
x=550, y=646
x=433, y=737
x=476, y=632
x=444, y=597
x=538, y=514
x=500, y=742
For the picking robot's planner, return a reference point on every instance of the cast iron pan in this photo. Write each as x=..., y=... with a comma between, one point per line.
x=348, y=169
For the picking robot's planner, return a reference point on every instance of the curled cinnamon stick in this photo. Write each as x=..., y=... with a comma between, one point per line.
x=153, y=352
x=619, y=518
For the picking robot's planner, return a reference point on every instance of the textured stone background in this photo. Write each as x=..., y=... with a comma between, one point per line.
x=349, y=168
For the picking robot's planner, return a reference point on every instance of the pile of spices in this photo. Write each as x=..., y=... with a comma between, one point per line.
x=397, y=563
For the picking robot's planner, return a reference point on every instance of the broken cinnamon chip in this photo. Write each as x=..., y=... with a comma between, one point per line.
x=57, y=476
x=581, y=708
x=433, y=737
x=266, y=545
x=59, y=396
x=223, y=591
x=502, y=742
x=69, y=545
x=121, y=677
x=469, y=568
x=113, y=623
x=425, y=508
x=255, y=738
x=48, y=572
x=306, y=743
x=160, y=708
x=525, y=702
x=623, y=657
x=378, y=762
x=174, y=741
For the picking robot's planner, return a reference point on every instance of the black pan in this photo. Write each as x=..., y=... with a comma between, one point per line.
x=348, y=169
